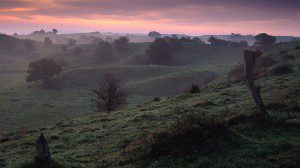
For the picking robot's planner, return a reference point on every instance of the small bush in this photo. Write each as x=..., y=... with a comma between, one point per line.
x=155, y=99
x=109, y=95
x=194, y=89
x=297, y=48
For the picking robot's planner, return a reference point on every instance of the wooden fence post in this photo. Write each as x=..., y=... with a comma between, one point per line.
x=250, y=58
x=43, y=150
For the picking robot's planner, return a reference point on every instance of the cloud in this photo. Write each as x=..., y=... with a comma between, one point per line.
x=184, y=13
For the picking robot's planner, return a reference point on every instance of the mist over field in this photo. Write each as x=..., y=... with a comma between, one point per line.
x=149, y=83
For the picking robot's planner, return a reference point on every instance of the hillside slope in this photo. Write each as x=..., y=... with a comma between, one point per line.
x=158, y=134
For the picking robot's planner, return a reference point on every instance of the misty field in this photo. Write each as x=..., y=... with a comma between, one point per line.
x=187, y=101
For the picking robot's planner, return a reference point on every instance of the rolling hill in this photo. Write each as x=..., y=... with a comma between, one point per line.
x=216, y=127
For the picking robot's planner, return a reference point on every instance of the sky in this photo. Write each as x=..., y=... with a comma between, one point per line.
x=191, y=17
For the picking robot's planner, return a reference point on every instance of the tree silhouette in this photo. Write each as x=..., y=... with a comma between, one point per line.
x=154, y=34
x=121, y=44
x=264, y=40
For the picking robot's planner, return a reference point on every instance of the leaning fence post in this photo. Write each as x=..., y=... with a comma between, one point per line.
x=43, y=150
x=250, y=58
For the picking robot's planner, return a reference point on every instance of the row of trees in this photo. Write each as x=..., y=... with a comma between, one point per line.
x=262, y=39
x=224, y=43
x=162, y=50
x=43, y=32
x=10, y=44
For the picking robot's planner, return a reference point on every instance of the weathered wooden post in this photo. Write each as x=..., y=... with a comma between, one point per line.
x=43, y=150
x=250, y=58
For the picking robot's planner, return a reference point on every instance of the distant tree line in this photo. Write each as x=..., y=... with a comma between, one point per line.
x=162, y=50
x=10, y=45
x=43, y=32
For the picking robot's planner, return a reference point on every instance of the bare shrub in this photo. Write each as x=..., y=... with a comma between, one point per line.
x=109, y=95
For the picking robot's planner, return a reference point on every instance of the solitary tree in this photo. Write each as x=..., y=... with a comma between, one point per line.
x=121, y=44
x=154, y=34
x=160, y=52
x=264, y=40
x=109, y=95
x=54, y=31
x=48, y=42
x=44, y=69
x=104, y=52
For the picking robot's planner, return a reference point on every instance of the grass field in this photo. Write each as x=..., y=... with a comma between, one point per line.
x=147, y=133
x=21, y=102
x=120, y=138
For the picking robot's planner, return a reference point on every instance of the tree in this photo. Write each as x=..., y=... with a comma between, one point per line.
x=44, y=69
x=54, y=31
x=185, y=39
x=154, y=34
x=41, y=32
x=29, y=45
x=264, y=40
x=104, y=52
x=48, y=42
x=121, y=44
x=197, y=40
x=109, y=95
x=72, y=42
x=218, y=42
x=174, y=42
x=160, y=52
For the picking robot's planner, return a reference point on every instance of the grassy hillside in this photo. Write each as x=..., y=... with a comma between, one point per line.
x=20, y=102
x=160, y=134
